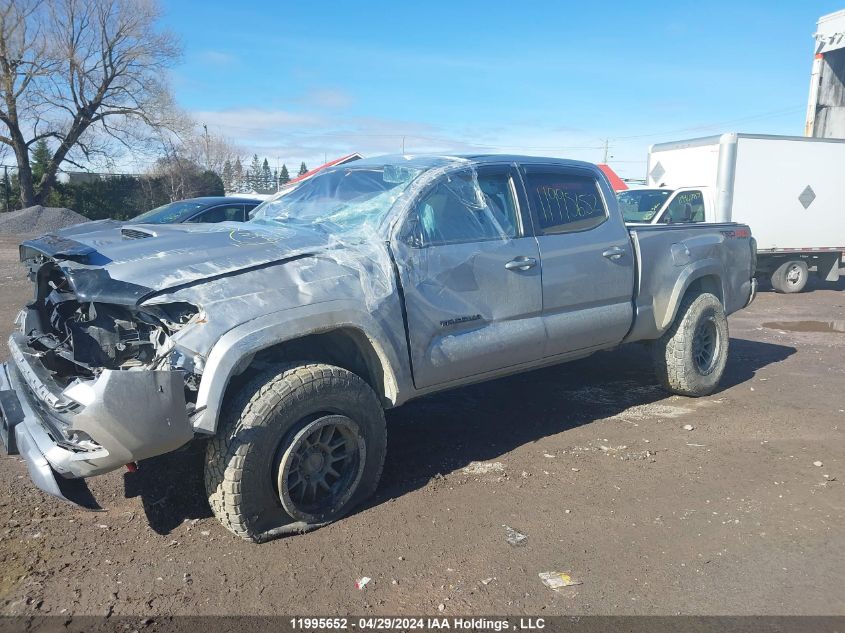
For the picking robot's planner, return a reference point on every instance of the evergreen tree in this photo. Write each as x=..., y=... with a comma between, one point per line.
x=238, y=176
x=303, y=169
x=275, y=180
x=228, y=176
x=7, y=191
x=284, y=176
x=207, y=183
x=40, y=159
x=266, y=177
x=255, y=174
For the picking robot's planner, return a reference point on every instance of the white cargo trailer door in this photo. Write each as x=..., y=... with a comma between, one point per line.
x=791, y=192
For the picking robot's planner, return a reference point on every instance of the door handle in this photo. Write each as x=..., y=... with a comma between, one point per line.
x=613, y=252
x=521, y=263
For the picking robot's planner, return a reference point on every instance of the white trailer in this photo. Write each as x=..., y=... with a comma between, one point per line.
x=789, y=189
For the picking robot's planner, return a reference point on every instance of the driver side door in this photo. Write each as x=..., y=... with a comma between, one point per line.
x=470, y=276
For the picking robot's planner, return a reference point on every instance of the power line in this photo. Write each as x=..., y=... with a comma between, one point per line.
x=458, y=141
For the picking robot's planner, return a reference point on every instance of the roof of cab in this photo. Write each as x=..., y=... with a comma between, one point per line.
x=478, y=159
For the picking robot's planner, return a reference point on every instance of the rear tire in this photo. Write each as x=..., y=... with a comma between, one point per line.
x=690, y=357
x=299, y=446
x=790, y=276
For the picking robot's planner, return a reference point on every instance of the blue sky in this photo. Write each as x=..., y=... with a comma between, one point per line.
x=306, y=80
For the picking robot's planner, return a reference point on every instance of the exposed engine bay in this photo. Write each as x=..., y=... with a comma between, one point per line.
x=76, y=338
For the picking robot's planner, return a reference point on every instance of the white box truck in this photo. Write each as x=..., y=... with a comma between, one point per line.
x=789, y=189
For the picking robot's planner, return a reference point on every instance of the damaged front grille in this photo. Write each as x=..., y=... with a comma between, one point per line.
x=77, y=339
x=97, y=335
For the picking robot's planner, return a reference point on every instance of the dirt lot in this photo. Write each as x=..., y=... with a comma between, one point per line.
x=589, y=460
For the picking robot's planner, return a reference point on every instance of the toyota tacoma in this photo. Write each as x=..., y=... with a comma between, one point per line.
x=282, y=340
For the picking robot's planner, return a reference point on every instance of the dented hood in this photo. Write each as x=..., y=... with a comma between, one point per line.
x=123, y=264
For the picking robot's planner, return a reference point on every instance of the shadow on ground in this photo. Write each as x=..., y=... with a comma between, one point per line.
x=442, y=433
x=447, y=431
x=171, y=487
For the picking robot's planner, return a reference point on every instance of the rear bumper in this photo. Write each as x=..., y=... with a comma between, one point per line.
x=131, y=415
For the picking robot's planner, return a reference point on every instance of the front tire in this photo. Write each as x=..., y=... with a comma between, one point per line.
x=790, y=276
x=299, y=446
x=690, y=357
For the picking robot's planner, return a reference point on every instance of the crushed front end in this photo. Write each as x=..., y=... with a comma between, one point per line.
x=95, y=380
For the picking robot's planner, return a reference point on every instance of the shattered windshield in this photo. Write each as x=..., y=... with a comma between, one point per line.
x=640, y=205
x=343, y=199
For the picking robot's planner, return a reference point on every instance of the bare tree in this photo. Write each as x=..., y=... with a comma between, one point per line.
x=85, y=75
x=210, y=151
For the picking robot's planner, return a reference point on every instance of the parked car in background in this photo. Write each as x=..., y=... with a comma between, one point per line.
x=208, y=210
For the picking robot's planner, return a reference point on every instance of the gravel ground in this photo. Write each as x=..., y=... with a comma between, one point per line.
x=38, y=220
x=656, y=504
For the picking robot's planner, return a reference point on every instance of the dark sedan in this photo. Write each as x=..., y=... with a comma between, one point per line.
x=209, y=210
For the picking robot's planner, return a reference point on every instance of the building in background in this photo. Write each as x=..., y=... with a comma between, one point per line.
x=615, y=181
x=826, y=106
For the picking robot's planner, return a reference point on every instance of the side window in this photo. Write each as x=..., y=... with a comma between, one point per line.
x=687, y=206
x=220, y=214
x=459, y=210
x=565, y=202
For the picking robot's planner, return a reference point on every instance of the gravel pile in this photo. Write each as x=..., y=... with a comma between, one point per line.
x=38, y=219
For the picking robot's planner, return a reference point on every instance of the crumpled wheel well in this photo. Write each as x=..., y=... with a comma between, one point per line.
x=344, y=347
x=707, y=283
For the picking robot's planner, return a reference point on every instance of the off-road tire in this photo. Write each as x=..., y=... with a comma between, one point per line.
x=674, y=353
x=790, y=276
x=257, y=424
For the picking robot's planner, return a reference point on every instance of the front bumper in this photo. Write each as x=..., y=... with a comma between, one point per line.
x=132, y=415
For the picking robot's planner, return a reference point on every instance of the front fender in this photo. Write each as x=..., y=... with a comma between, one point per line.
x=242, y=342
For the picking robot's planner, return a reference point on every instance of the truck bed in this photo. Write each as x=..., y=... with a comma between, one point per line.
x=668, y=255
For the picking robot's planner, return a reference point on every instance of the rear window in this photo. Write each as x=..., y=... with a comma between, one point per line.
x=565, y=203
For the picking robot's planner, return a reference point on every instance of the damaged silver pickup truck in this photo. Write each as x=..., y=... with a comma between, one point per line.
x=282, y=340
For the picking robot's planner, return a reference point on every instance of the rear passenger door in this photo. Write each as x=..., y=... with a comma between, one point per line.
x=586, y=255
x=470, y=275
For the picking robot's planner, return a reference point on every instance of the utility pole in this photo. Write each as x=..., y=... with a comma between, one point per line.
x=606, y=148
x=207, y=150
x=403, y=145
